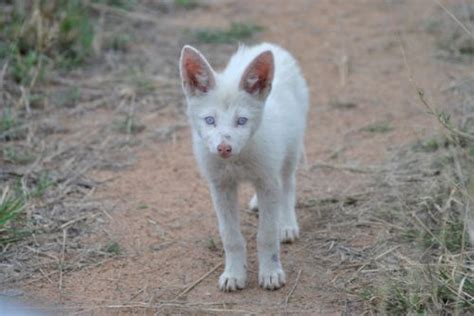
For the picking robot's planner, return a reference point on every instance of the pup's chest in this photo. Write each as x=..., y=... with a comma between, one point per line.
x=237, y=171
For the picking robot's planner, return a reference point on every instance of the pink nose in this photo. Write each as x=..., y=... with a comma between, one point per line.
x=224, y=150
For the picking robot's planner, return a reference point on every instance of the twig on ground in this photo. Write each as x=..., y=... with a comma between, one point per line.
x=320, y=165
x=2, y=74
x=386, y=252
x=457, y=84
x=343, y=66
x=439, y=118
x=61, y=262
x=467, y=199
x=136, y=294
x=36, y=74
x=287, y=299
x=124, y=13
x=190, y=287
x=46, y=276
x=73, y=221
x=31, y=281
x=455, y=18
x=25, y=100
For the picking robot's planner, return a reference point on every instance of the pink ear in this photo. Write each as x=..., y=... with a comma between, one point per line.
x=196, y=73
x=257, y=78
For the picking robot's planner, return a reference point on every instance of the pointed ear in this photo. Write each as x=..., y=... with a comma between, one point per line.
x=196, y=74
x=257, y=78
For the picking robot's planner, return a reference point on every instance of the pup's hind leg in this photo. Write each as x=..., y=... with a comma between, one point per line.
x=289, y=230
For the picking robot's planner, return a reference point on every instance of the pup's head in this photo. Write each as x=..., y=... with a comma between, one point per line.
x=225, y=109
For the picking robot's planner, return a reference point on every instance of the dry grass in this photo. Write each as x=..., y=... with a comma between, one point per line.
x=423, y=208
x=426, y=208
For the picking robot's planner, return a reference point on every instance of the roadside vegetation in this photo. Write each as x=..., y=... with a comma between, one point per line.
x=427, y=201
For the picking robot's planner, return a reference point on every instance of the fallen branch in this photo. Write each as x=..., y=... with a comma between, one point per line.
x=75, y=220
x=464, y=27
x=287, y=299
x=61, y=262
x=441, y=120
x=325, y=165
x=124, y=13
x=190, y=287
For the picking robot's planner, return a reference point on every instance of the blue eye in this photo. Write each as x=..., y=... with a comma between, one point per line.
x=210, y=120
x=242, y=121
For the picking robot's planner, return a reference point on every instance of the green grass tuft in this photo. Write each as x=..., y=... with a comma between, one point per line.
x=113, y=248
x=43, y=183
x=129, y=125
x=140, y=82
x=211, y=244
x=11, y=206
x=429, y=146
x=17, y=155
x=52, y=34
x=378, y=128
x=471, y=151
x=187, y=4
x=122, y=4
x=119, y=42
x=69, y=98
x=142, y=206
x=236, y=32
x=7, y=121
x=405, y=298
x=76, y=35
x=28, y=67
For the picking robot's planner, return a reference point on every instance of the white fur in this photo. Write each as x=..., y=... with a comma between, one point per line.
x=265, y=152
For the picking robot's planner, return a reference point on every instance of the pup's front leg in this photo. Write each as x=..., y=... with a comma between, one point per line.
x=271, y=275
x=226, y=206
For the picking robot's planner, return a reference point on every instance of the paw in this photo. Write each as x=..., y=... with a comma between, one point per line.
x=253, y=204
x=289, y=234
x=272, y=280
x=229, y=282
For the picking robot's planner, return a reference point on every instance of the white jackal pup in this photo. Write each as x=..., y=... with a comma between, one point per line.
x=248, y=124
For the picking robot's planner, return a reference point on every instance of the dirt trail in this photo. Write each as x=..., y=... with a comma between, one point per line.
x=362, y=108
